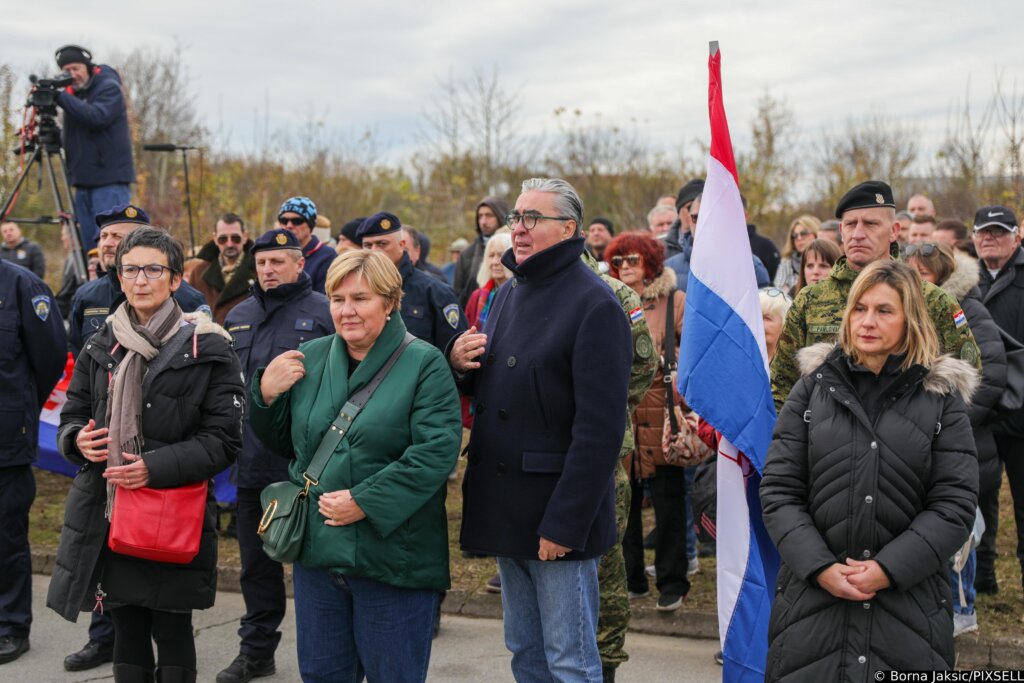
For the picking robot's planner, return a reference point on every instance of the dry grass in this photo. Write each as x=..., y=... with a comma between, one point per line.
x=998, y=615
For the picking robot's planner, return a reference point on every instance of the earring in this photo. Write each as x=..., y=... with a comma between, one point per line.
x=389, y=318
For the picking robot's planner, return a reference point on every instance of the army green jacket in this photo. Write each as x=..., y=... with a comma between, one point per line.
x=818, y=310
x=645, y=360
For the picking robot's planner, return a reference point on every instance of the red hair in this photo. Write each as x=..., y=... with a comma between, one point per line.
x=647, y=245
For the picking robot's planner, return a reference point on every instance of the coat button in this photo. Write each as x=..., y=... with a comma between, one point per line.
x=867, y=605
x=480, y=408
x=515, y=283
x=502, y=413
x=186, y=355
x=149, y=405
x=862, y=659
x=88, y=346
x=511, y=362
x=832, y=389
x=869, y=500
x=874, y=444
x=818, y=375
x=110, y=365
x=490, y=359
x=866, y=554
x=501, y=467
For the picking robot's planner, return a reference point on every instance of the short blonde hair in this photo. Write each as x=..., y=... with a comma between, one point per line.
x=501, y=239
x=920, y=341
x=377, y=269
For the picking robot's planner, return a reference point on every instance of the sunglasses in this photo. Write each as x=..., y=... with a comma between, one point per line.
x=775, y=291
x=631, y=259
x=223, y=239
x=801, y=233
x=293, y=221
x=925, y=249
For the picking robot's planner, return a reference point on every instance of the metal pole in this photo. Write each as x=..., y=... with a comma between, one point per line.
x=188, y=202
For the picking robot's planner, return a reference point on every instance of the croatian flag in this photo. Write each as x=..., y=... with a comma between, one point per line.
x=723, y=373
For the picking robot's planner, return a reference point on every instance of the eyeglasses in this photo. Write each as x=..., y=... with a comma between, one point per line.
x=924, y=249
x=693, y=217
x=235, y=239
x=530, y=219
x=802, y=233
x=294, y=221
x=775, y=291
x=154, y=271
x=631, y=259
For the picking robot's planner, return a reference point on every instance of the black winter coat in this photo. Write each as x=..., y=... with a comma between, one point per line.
x=1003, y=296
x=192, y=426
x=901, y=490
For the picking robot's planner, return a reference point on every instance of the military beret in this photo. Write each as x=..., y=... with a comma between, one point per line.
x=276, y=239
x=382, y=223
x=122, y=213
x=303, y=206
x=869, y=194
x=999, y=216
x=349, y=230
x=689, y=192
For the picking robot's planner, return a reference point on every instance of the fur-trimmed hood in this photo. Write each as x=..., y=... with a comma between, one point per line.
x=964, y=278
x=946, y=374
x=204, y=325
x=661, y=286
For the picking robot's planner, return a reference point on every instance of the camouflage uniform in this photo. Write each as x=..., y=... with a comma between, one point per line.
x=818, y=310
x=613, y=619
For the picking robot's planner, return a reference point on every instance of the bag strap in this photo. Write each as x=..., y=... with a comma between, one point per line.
x=348, y=413
x=669, y=354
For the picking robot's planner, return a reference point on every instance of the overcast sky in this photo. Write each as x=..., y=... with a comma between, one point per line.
x=375, y=65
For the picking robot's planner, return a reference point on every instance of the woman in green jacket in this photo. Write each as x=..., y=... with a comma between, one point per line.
x=375, y=555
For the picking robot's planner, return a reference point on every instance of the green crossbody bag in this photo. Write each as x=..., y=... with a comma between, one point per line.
x=286, y=505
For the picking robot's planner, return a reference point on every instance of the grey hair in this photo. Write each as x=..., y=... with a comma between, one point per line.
x=154, y=238
x=660, y=208
x=567, y=202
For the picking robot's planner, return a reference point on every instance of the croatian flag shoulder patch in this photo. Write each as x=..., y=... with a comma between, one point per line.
x=959, y=318
x=636, y=315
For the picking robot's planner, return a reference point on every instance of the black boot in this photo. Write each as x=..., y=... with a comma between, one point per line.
x=89, y=657
x=174, y=674
x=132, y=673
x=608, y=674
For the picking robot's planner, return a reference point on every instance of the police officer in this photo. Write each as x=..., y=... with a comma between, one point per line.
x=92, y=303
x=430, y=309
x=869, y=230
x=95, y=300
x=33, y=350
x=282, y=313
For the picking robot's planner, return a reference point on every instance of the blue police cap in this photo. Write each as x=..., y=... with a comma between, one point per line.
x=382, y=223
x=276, y=239
x=122, y=213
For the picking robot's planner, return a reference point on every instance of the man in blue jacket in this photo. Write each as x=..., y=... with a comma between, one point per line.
x=32, y=356
x=95, y=300
x=97, y=143
x=282, y=313
x=539, y=489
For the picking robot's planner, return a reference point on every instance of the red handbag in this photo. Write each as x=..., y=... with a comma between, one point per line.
x=162, y=525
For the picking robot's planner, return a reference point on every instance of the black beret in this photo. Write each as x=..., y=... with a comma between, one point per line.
x=689, y=192
x=276, y=239
x=869, y=194
x=122, y=213
x=349, y=230
x=382, y=223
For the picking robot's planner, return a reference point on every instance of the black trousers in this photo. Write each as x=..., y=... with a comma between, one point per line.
x=668, y=494
x=988, y=503
x=262, y=582
x=136, y=628
x=1011, y=452
x=17, y=491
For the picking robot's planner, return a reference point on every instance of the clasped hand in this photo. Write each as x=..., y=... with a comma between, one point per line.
x=856, y=580
x=340, y=508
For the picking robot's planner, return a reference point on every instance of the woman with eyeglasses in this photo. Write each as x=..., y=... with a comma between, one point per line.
x=802, y=232
x=225, y=270
x=156, y=400
x=957, y=273
x=638, y=260
x=816, y=262
x=869, y=487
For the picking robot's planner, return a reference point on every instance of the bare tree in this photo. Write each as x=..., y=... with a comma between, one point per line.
x=962, y=160
x=1009, y=105
x=769, y=170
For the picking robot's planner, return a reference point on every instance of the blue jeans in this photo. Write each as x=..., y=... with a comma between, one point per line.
x=90, y=201
x=551, y=619
x=348, y=627
x=967, y=574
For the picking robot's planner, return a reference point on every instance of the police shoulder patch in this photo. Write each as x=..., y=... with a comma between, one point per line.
x=451, y=314
x=41, y=306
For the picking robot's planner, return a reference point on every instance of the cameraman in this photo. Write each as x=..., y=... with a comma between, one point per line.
x=96, y=138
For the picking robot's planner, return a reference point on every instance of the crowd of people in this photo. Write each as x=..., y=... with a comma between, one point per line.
x=342, y=375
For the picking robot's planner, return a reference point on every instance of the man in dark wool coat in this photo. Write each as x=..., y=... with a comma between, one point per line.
x=539, y=489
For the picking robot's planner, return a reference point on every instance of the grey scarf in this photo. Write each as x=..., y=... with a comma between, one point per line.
x=124, y=399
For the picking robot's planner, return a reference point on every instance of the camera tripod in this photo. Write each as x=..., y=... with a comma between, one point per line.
x=43, y=142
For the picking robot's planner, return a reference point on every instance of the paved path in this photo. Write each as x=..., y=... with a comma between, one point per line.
x=468, y=650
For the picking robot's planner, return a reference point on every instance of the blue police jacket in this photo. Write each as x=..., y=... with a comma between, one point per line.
x=319, y=257
x=430, y=309
x=550, y=411
x=97, y=143
x=95, y=300
x=33, y=352
x=263, y=326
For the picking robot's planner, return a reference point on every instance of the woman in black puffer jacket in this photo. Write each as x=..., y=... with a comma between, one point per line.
x=870, y=486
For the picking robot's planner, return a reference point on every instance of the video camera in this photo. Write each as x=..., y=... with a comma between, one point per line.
x=43, y=95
